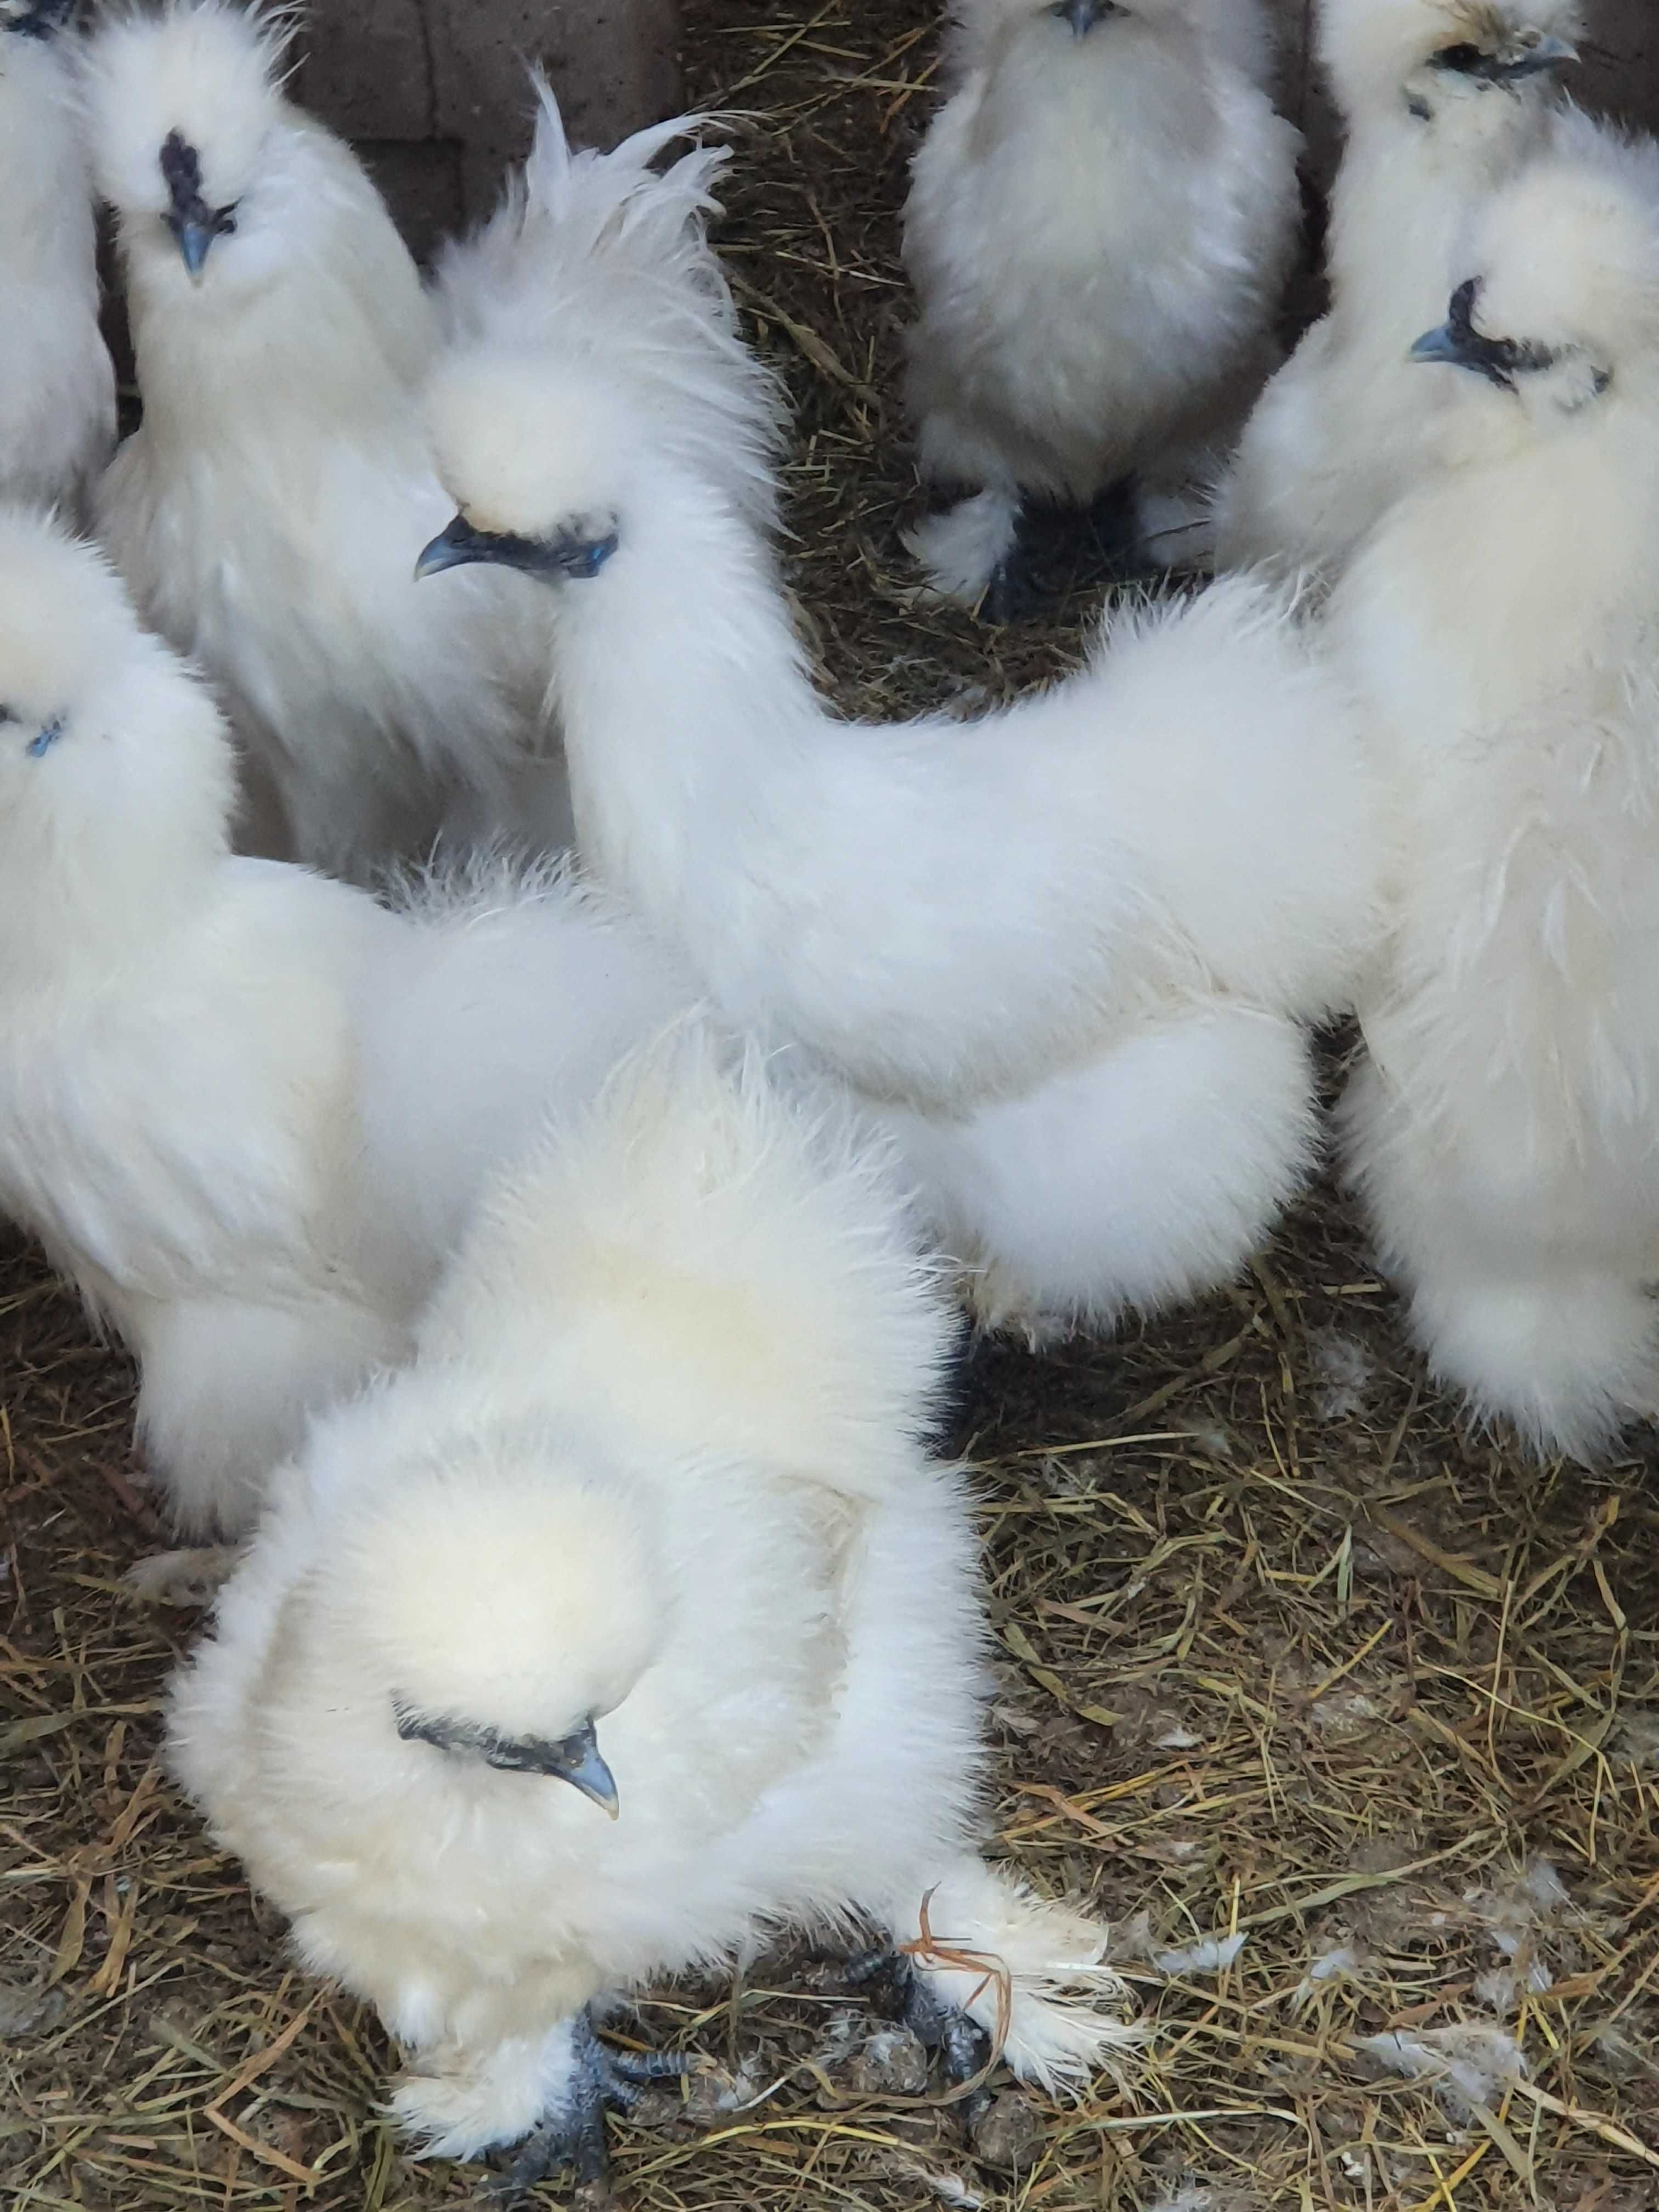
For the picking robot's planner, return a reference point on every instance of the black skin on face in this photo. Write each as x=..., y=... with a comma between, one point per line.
x=512, y=1755
x=1466, y=59
x=569, y=553
x=181, y=172
x=1499, y=360
x=43, y=20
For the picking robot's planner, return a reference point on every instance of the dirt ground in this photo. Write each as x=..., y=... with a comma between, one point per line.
x=1291, y=1665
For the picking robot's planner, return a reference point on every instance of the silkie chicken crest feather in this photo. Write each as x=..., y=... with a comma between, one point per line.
x=602, y=255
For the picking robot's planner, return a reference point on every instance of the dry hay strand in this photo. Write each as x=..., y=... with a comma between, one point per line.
x=1349, y=1721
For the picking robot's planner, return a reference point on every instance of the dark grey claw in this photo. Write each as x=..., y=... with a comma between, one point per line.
x=602, y=2079
x=898, y=1991
x=1060, y=549
x=1011, y=595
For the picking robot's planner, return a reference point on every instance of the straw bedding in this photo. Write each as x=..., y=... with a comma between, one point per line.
x=1347, y=1721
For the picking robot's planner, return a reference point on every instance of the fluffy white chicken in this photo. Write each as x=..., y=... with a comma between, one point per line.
x=1443, y=101
x=649, y=1529
x=1504, y=620
x=262, y=511
x=1063, y=950
x=1100, y=225
x=247, y=1108
x=57, y=387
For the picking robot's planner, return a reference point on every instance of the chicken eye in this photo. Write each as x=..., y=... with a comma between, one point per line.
x=224, y=219
x=7, y=715
x=1465, y=57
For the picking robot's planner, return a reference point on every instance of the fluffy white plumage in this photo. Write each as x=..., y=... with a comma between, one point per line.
x=1073, y=939
x=1505, y=621
x=264, y=512
x=653, y=1493
x=57, y=387
x=1443, y=101
x=1101, y=222
x=602, y=254
x=246, y=1108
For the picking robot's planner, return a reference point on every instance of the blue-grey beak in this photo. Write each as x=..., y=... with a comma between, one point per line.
x=567, y=554
x=574, y=1758
x=1439, y=345
x=580, y=1765
x=1549, y=54
x=1458, y=343
x=44, y=740
x=1084, y=14
x=194, y=240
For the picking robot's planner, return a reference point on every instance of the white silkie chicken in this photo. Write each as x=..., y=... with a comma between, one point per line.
x=57, y=387
x=1504, y=620
x=247, y=1108
x=1443, y=101
x=649, y=1529
x=1101, y=223
x=1063, y=951
x=262, y=511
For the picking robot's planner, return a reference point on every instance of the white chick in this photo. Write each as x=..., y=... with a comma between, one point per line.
x=649, y=1529
x=1504, y=620
x=1075, y=939
x=1444, y=100
x=262, y=511
x=57, y=387
x=247, y=1108
x=1100, y=226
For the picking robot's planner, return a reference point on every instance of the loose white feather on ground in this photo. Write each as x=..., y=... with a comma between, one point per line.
x=1502, y=621
x=217, y=1103
x=649, y=1527
x=1443, y=101
x=1101, y=223
x=57, y=387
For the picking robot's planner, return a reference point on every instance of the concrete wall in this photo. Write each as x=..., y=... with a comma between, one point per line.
x=434, y=92
x=1621, y=76
x=1628, y=77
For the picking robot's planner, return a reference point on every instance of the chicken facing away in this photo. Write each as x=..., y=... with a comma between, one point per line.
x=57, y=387
x=262, y=512
x=1063, y=951
x=1100, y=225
x=247, y=1108
x=648, y=1529
x=1503, y=622
x=1444, y=100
